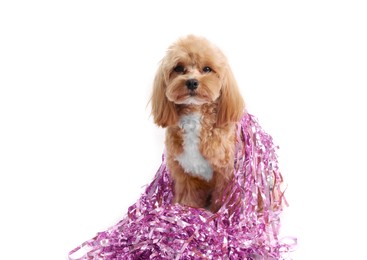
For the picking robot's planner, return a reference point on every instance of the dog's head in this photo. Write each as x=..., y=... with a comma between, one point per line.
x=195, y=72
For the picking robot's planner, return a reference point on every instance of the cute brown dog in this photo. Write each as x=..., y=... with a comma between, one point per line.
x=195, y=96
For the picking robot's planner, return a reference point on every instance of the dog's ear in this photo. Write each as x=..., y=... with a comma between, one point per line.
x=230, y=105
x=163, y=111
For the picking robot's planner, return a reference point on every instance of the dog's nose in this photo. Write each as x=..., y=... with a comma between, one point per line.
x=192, y=84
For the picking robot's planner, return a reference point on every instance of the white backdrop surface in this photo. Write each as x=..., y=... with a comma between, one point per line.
x=77, y=143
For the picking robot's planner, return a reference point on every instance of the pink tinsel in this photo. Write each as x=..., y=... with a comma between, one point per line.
x=246, y=227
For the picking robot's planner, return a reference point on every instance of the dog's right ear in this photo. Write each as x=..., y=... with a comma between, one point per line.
x=163, y=111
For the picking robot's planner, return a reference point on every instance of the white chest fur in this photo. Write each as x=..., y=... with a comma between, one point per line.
x=191, y=160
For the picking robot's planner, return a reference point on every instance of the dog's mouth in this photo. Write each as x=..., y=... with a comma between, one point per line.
x=191, y=98
x=192, y=93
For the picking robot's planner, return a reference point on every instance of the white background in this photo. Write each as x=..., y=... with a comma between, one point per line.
x=77, y=142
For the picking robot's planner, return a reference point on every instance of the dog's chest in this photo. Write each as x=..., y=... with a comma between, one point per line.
x=191, y=160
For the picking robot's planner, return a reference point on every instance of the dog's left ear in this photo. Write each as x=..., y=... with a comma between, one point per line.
x=163, y=111
x=230, y=105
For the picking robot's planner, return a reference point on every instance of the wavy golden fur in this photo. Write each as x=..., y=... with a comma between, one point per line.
x=196, y=97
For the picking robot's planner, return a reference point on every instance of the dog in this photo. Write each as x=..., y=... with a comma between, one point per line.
x=196, y=98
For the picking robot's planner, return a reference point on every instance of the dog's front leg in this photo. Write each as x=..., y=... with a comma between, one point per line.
x=189, y=190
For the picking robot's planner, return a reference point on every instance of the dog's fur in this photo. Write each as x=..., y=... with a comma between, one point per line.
x=196, y=97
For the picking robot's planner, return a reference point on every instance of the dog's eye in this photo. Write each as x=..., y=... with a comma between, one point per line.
x=179, y=69
x=207, y=69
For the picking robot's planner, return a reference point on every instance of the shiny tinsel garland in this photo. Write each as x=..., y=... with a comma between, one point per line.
x=246, y=227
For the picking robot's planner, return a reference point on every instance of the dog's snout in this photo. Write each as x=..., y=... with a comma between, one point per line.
x=192, y=84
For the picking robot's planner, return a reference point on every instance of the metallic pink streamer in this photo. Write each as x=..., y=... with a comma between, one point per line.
x=246, y=227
